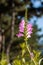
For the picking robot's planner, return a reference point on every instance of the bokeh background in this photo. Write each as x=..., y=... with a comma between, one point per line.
x=34, y=15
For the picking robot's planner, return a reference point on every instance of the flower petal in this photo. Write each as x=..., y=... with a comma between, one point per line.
x=19, y=34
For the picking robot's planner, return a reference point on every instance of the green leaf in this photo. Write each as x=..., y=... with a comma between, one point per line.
x=17, y=62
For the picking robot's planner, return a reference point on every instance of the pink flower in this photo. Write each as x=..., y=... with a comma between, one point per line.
x=21, y=29
x=29, y=27
x=21, y=26
x=19, y=34
x=29, y=30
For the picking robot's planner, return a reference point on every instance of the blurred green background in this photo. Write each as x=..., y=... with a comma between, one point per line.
x=14, y=10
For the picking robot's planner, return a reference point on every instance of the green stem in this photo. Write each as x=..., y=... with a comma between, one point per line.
x=26, y=15
x=27, y=46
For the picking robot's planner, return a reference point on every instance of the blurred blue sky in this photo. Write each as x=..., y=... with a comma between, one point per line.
x=39, y=22
x=37, y=3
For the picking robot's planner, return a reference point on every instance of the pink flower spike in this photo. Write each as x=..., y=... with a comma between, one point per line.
x=29, y=29
x=29, y=25
x=21, y=29
x=22, y=23
x=19, y=34
x=21, y=26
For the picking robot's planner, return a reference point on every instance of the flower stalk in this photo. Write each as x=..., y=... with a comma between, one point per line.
x=25, y=30
x=32, y=58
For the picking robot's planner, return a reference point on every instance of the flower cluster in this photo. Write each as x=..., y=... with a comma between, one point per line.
x=22, y=27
